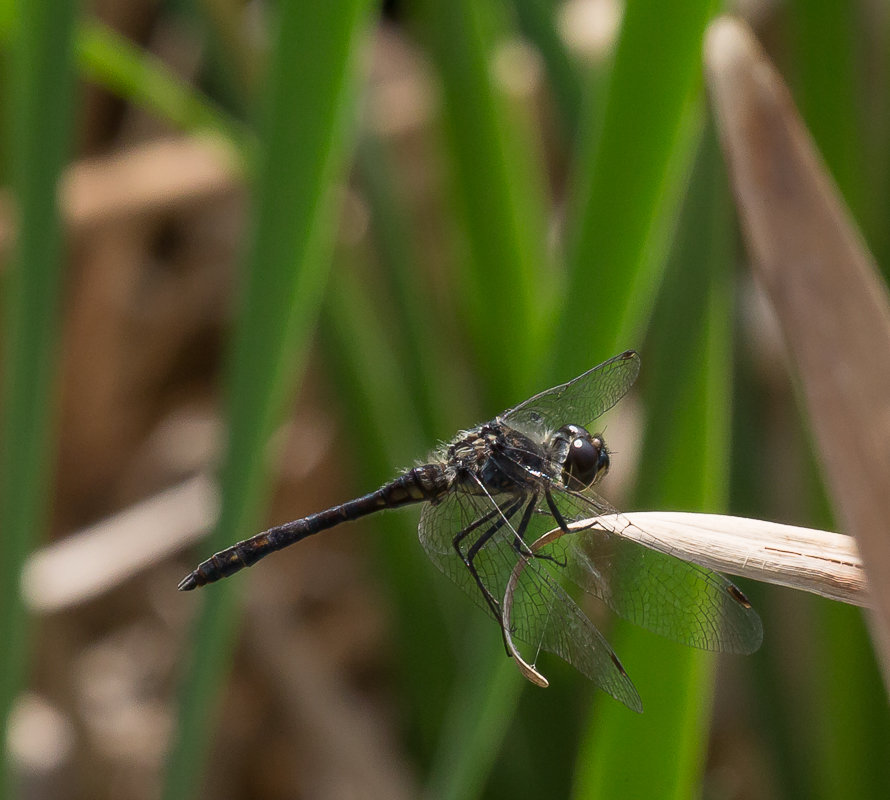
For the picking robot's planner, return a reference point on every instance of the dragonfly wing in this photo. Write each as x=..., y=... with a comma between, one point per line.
x=676, y=599
x=543, y=615
x=580, y=401
x=441, y=522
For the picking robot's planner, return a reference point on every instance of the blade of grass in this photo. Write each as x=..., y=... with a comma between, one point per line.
x=628, y=179
x=849, y=728
x=387, y=431
x=499, y=196
x=504, y=297
x=827, y=48
x=423, y=351
x=37, y=138
x=536, y=18
x=466, y=755
x=627, y=176
x=109, y=59
x=661, y=753
x=386, y=412
x=306, y=128
x=506, y=289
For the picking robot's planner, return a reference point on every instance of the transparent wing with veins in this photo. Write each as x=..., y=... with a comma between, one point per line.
x=543, y=614
x=673, y=598
x=580, y=401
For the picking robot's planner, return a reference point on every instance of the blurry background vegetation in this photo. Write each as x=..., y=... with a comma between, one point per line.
x=301, y=244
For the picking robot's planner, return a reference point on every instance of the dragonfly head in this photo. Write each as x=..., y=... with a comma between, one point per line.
x=586, y=457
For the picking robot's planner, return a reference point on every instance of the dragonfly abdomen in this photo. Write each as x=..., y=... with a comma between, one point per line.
x=425, y=483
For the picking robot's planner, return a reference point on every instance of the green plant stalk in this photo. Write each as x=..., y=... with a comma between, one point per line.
x=386, y=428
x=828, y=50
x=38, y=137
x=387, y=431
x=120, y=66
x=627, y=175
x=467, y=753
x=499, y=196
x=536, y=18
x=686, y=465
x=107, y=58
x=306, y=129
x=407, y=286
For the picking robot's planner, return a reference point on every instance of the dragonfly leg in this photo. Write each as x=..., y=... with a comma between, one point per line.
x=563, y=525
x=519, y=544
x=477, y=523
x=503, y=515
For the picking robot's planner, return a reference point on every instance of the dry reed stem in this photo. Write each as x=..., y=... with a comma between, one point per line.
x=824, y=287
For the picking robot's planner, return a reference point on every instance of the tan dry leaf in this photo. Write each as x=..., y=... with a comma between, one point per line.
x=824, y=287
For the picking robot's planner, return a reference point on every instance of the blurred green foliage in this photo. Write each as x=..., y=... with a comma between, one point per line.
x=37, y=140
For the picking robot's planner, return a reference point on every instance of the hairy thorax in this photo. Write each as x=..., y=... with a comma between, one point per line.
x=498, y=458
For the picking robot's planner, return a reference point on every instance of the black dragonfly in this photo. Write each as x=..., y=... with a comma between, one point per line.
x=493, y=490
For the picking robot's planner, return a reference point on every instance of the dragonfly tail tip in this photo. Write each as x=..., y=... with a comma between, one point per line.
x=188, y=583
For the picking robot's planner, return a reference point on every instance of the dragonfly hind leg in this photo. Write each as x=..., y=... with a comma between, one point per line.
x=502, y=518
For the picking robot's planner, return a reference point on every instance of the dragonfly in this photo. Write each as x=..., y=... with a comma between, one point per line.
x=489, y=496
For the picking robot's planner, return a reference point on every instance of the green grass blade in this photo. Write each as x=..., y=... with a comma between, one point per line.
x=686, y=461
x=386, y=411
x=309, y=116
x=627, y=175
x=467, y=752
x=38, y=135
x=499, y=195
x=828, y=50
x=410, y=297
x=122, y=67
x=505, y=296
x=107, y=58
x=387, y=431
x=536, y=18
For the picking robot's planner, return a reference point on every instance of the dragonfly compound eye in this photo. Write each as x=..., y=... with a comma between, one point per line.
x=586, y=460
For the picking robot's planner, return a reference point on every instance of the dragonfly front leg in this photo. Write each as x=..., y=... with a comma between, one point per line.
x=561, y=521
x=519, y=544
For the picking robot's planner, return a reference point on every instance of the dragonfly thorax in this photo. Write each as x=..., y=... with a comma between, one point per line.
x=583, y=456
x=495, y=458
